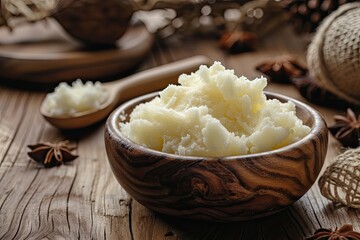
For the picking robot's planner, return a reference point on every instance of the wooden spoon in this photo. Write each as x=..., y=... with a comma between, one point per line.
x=127, y=88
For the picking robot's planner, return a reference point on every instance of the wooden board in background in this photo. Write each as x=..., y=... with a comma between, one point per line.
x=42, y=53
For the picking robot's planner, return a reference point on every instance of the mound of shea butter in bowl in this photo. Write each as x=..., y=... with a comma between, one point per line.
x=216, y=147
x=214, y=113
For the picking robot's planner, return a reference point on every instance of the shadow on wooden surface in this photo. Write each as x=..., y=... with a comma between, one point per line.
x=194, y=230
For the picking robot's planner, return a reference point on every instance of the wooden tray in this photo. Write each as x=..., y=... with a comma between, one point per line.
x=42, y=53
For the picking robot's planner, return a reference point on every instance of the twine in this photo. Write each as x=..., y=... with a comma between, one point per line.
x=334, y=54
x=340, y=182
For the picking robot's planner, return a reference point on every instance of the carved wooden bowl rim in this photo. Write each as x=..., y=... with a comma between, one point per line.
x=317, y=126
x=233, y=194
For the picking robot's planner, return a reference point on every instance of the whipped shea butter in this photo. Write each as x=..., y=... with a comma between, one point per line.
x=69, y=100
x=214, y=113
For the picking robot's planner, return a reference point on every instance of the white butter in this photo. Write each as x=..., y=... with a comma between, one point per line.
x=69, y=100
x=214, y=113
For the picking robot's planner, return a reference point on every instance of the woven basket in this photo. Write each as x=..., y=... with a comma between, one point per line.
x=333, y=56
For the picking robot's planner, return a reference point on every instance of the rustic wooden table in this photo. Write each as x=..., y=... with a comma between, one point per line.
x=83, y=199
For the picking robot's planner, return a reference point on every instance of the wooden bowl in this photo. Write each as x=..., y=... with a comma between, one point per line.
x=232, y=188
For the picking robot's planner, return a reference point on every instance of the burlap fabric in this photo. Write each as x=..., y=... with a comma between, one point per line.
x=341, y=180
x=333, y=57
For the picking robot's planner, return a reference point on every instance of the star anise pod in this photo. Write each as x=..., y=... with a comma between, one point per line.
x=347, y=129
x=311, y=91
x=238, y=41
x=282, y=68
x=50, y=154
x=345, y=232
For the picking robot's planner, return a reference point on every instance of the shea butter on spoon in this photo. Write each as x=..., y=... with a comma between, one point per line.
x=214, y=113
x=69, y=100
x=81, y=105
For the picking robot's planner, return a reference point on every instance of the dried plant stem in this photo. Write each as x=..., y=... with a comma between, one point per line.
x=25, y=10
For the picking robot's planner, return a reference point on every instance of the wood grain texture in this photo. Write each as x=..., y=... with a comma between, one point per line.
x=217, y=189
x=84, y=201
